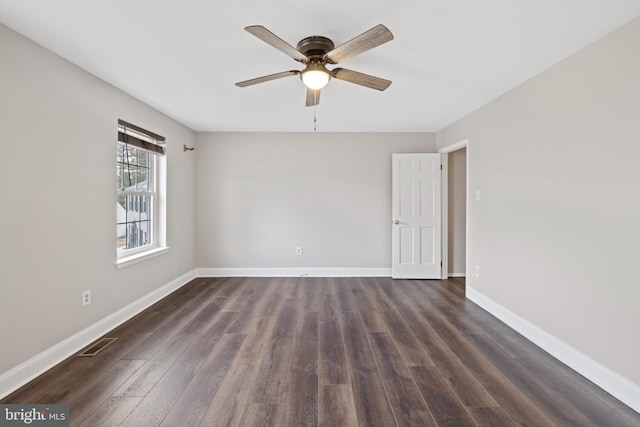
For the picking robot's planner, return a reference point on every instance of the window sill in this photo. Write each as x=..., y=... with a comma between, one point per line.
x=139, y=257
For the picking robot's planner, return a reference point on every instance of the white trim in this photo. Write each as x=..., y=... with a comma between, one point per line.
x=454, y=147
x=140, y=256
x=444, y=203
x=294, y=272
x=444, y=243
x=457, y=275
x=25, y=372
x=612, y=382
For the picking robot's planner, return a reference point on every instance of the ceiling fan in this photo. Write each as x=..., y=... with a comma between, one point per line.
x=318, y=51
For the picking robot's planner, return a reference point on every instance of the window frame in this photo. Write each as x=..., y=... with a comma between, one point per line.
x=155, y=191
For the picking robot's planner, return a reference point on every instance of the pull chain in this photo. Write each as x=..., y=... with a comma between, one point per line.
x=315, y=121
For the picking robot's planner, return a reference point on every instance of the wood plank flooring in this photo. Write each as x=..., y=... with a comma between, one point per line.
x=321, y=352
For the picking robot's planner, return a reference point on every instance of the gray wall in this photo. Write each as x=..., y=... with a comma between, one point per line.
x=457, y=212
x=556, y=230
x=57, y=222
x=262, y=194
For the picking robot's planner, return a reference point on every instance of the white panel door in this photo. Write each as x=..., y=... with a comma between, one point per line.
x=416, y=216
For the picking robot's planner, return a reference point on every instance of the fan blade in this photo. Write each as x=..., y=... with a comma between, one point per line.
x=360, y=79
x=368, y=40
x=267, y=78
x=313, y=97
x=268, y=37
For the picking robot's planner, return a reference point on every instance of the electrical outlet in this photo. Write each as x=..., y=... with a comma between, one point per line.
x=477, y=271
x=86, y=298
x=478, y=195
x=299, y=250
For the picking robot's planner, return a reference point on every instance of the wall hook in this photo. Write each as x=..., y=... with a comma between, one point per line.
x=185, y=148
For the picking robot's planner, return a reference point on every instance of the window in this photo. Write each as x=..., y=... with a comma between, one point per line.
x=138, y=161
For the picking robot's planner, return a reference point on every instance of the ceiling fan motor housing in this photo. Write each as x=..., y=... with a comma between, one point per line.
x=315, y=46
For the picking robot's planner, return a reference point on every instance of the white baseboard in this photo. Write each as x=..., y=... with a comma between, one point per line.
x=610, y=381
x=457, y=275
x=294, y=272
x=27, y=371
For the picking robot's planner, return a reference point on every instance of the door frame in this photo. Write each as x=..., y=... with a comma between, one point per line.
x=445, y=204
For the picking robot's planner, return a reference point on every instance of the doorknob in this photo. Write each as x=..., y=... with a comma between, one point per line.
x=396, y=222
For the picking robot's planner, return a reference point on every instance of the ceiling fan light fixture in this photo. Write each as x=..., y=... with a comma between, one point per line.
x=315, y=76
x=315, y=79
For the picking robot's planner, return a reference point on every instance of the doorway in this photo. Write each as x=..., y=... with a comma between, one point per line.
x=454, y=209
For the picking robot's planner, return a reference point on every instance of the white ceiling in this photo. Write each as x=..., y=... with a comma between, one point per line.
x=183, y=57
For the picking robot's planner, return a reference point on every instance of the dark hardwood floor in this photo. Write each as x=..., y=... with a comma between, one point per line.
x=321, y=352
